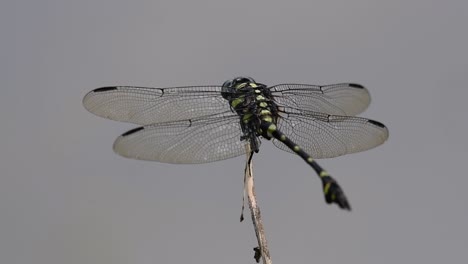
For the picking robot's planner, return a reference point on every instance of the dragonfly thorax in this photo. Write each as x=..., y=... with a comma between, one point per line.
x=254, y=104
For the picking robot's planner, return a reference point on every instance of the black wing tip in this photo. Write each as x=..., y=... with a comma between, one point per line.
x=132, y=131
x=376, y=123
x=356, y=85
x=105, y=89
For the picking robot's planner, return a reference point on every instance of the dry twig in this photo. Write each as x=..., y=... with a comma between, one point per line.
x=262, y=250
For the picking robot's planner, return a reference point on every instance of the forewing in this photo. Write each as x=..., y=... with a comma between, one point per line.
x=187, y=141
x=347, y=99
x=145, y=105
x=328, y=136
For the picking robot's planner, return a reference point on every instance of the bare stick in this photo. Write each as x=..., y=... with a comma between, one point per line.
x=262, y=250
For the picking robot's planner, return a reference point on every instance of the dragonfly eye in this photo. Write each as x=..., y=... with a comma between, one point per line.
x=240, y=80
x=228, y=83
x=236, y=81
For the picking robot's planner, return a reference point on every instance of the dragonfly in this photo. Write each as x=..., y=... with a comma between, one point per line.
x=201, y=124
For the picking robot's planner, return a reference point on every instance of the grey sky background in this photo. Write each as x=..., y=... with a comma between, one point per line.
x=65, y=197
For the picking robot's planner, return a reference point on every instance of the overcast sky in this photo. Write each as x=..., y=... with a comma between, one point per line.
x=65, y=197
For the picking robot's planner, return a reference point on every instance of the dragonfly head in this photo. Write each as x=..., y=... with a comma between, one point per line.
x=231, y=86
x=233, y=83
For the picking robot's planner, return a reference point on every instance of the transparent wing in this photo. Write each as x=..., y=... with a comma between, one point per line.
x=188, y=141
x=327, y=136
x=145, y=106
x=347, y=99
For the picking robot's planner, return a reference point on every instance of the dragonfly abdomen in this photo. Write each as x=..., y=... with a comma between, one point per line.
x=332, y=191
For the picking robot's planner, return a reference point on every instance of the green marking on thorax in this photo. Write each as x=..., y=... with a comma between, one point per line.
x=263, y=104
x=271, y=128
x=241, y=85
x=265, y=112
x=267, y=119
x=246, y=117
x=237, y=101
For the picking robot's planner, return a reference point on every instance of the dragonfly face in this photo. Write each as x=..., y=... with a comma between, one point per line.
x=238, y=80
x=231, y=86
